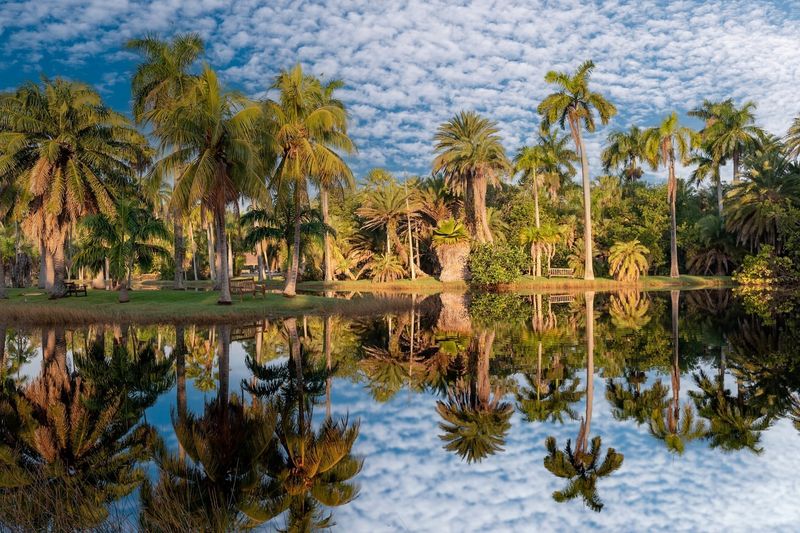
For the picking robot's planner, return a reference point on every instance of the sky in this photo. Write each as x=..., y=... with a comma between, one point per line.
x=409, y=65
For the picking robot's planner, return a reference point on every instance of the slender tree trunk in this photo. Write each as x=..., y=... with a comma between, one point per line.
x=180, y=370
x=327, y=259
x=224, y=353
x=588, y=266
x=3, y=365
x=736, y=156
x=719, y=197
x=676, y=372
x=42, y=265
x=484, y=386
x=107, y=274
x=260, y=262
x=222, y=249
x=290, y=288
x=538, y=257
x=478, y=186
x=326, y=340
x=211, y=255
x=180, y=251
x=230, y=257
x=586, y=423
x=2, y=277
x=411, y=263
x=297, y=358
x=672, y=190
x=59, y=268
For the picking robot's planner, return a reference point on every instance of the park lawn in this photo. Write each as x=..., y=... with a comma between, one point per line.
x=32, y=306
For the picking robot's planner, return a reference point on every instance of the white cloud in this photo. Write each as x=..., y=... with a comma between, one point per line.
x=410, y=65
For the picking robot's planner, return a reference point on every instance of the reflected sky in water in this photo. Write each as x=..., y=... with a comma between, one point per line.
x=481, y=359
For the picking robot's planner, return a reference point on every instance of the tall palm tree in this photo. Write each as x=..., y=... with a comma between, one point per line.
x=625, y=151
x=387, y=206
x=664, y=143
x=70, y=153
x=471, y=157
x=707, y=168
x=580, y=465
x=159, y=81
x=308, y=126
x=559, y=159
x=574, y=104
x=668, y=424
x=215, y=156
x=731, y=132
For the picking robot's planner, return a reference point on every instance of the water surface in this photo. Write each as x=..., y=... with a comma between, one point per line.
x=625, y=412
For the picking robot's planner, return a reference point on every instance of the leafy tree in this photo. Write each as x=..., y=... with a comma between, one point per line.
x=628, y=260
x=625, y=151
x=575, y=104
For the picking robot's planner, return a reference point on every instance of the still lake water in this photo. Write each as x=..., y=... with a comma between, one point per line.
x=461, y=415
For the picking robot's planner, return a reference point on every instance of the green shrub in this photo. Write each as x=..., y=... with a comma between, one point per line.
x=496, y=264
x=765, y=268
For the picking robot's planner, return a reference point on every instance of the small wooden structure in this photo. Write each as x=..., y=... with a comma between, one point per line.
x=562, y=298
x=242, y=286
x=76, y=289
x=561, y=273
x=244, y=332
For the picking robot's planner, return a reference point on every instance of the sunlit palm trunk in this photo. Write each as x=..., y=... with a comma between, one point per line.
x=327, y=265
x=297, y=357
x=485, y=341
x=538, y=224
x=586, y=423
x=326, y=340
x=224, y=357
x=222, y=254
x=588, y=267
x=672, y=191
x=42, y=265
x=194, y=250
x=59, y=267
x=481, y=225
x=719, y=197
x=676, y=371
x=180, y=251
x=736, y=156
x=290, y=289
x=212, y=267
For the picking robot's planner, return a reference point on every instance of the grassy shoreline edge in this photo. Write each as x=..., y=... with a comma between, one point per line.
x=31, y=306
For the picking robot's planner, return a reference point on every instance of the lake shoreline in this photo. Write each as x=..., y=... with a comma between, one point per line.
x=31, y=306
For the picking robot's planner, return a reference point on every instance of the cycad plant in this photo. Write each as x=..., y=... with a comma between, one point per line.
x=628, y=260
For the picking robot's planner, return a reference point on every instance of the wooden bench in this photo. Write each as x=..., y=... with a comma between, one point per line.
x=562, y=298
x=247, y=286
x=561, y=273
x=75, y=289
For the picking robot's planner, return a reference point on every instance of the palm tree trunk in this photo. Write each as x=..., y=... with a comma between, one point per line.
x=538, y=258
x=180, y=370
x=719, y=197
x=327, y=264
x=672, y=190
x=736, y=165
x=290, y=289
x=260, y=262
x=224, y=355
x=586, y=424
x=56, y=247
x=180, y=251
x=326, y=340
x=485, y=341
x=222, y=259
x=194, y=250
x=676, y=372
x=212, y=271
x=297, y=358
x=107, y=274
x=230, y=256
x=479, y=185
x=588, y=266
x=42, y=265
x=2, y=277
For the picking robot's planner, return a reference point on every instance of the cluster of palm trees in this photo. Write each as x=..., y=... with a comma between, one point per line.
x=88, y=190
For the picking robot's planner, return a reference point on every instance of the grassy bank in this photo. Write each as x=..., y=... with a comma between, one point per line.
x=30, y=306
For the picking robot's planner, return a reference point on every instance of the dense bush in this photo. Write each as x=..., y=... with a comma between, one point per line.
x=765, y=268
x=496, y=264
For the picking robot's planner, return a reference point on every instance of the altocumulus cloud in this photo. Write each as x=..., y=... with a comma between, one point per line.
x=411, y=64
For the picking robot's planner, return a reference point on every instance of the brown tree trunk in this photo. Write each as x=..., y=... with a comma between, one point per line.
x=42, y=265
x=290, y=288
x=676, y=371
x=212, y=257
x=485, y=341
x=327, y=259
x=482, y=230
x=222, y=259
x=224, y=358
x=326, y=341
x=736, y=156
x=588, y=266
x=719, y=197
x=56, y=246
x=180, y=251
x=538, y=258
x=672, y=190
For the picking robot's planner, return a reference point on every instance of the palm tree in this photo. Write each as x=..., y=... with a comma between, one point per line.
x=158, y=83
x=213, y=134
x=717, y=250
x=475, y=422
x=668, y=424
x=627, y=260
x=793, y=139
x=707, y=168
x=471, y=157
x=308, y=125
x=130, y=237
x=387, y=206
x=575, y=104
x=558, y=168
x=625, y=151
x=732, y=132
x=663, y=144
x=758, y=205
x=70, y=153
